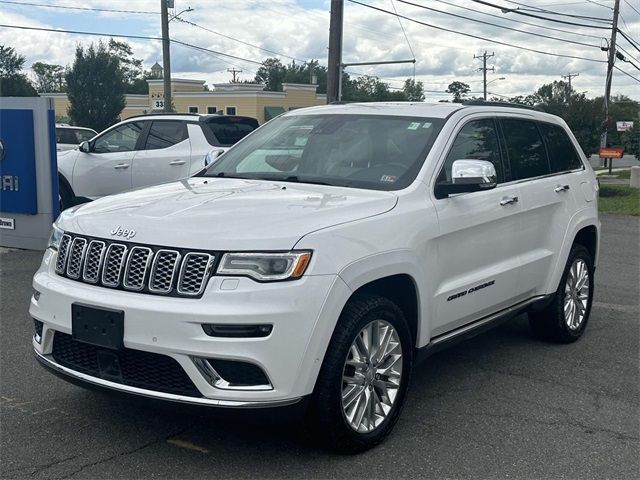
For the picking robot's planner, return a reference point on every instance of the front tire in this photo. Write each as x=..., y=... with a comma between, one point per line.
x=565, y=318
x=65, y=196
x=364, y=378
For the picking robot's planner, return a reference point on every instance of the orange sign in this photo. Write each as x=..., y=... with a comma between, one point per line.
x=611, y=152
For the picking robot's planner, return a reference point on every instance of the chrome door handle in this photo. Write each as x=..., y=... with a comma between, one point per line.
x=177, y=162
x=561, y=188
x=121, y=166
x=508, y=200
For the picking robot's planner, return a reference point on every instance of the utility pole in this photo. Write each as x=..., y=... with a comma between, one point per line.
x=166, y=58
x=234, y=72
x=334, y=67
x=484, y=69
x=313, y=78
x=568, y=77
x=607, y=87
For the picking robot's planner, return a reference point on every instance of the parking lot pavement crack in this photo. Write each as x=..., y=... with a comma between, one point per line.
x=568, y=423
x=151, y=443
x=33, y=470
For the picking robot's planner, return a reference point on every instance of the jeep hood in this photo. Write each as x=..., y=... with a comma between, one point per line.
x=226, y=214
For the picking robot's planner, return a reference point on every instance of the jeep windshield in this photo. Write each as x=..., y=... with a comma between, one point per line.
x=378, y=152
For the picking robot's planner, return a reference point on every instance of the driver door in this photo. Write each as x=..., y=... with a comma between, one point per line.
x=106, y=169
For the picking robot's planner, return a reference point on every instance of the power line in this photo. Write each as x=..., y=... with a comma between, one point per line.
x=519, y=12
x=499, y=26
x=137, y=37
x=627, y=74
x=238, y=40
x=147, y=12
x=629, y=39
x=599, y=4
x=551, y=12
x=632, y=7
x=542, y=52
x=520, y=22
x=403, y=32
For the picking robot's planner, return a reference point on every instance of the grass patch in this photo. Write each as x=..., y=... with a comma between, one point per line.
x=619, y=199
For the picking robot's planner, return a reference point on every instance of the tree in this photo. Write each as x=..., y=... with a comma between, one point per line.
x=413, y=91
x=134, y=76
x=95, y=87
x=273, y=74
x=49, y=77
x=14, y=83
x=459, y=90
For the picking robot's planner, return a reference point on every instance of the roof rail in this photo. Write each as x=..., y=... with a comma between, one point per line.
x=150, y=114
x=475, y=103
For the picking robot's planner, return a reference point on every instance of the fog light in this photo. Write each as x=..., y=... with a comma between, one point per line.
x=237, y=331
x=38, y=330
x=36, y=295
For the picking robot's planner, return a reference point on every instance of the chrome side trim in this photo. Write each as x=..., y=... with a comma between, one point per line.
x=48, y=362
x=483, y=321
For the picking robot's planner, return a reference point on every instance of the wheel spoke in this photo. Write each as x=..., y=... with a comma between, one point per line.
x=371, y=376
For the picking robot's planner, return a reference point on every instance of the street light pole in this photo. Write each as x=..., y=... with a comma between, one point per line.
x=166, y=57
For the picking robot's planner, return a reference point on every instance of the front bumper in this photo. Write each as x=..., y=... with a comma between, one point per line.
x=303, y=314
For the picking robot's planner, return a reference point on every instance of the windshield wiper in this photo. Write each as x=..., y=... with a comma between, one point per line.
x=296, y=179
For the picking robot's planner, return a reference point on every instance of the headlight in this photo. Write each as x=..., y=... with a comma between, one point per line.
x=265, y=267
x=55, y=237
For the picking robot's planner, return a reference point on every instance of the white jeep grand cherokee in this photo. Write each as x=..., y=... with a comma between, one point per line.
x=321, y=257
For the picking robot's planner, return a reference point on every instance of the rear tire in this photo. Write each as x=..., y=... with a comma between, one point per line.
x=565, y=318
x=360, y=390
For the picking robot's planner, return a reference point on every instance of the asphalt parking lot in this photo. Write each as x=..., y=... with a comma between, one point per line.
x=500, y=405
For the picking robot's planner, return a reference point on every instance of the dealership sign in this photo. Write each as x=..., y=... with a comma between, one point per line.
x=17, y=162
x=624, y=126
x=611, y=152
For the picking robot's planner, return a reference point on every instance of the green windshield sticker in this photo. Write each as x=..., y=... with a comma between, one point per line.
x=413, y=126
x=426, y=125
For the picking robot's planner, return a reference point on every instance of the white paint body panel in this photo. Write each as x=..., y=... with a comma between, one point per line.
x=356, y=235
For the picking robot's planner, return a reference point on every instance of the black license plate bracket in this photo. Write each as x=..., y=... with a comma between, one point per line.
x=103, y=327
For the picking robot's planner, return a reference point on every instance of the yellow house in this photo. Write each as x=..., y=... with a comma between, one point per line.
x=190, y=96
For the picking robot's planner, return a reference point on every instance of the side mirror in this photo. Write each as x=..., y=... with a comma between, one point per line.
x=85, y=147
x=468, y=176
x=212, y=156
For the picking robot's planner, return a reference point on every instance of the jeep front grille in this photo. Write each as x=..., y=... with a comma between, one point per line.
x=136, y=268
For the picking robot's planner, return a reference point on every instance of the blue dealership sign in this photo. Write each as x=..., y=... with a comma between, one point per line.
x=18, y=193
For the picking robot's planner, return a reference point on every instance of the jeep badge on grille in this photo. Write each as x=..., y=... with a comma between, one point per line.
x=123, y=232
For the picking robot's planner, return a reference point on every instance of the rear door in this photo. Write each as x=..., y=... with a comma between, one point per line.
x=546, y=196
x=106, y=169
x=479, y=243
x=165, y=155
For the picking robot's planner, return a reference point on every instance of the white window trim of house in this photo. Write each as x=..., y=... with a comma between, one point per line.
x=193, y=106
x=212, y=106
x=226, y=109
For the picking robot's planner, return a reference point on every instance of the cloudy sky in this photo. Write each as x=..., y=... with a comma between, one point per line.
x=298, y=29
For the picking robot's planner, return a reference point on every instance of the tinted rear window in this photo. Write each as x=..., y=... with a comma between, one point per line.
x=525, y=149
x=562, y=154
x=225, y=131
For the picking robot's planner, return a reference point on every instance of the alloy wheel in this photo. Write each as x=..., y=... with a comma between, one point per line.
x=371, y=376
x=576, y=294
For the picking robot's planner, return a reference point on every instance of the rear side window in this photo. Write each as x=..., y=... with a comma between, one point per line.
x=225, y=131
x=66, y=135
x=525, y=149
x=164, y=134
x=562, y=154
x=84, y=135
x=477, y=140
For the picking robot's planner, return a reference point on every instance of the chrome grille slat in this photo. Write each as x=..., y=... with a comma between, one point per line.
x=134, y=268
x=63, y=251
x=76, y=256
x=163, y=271
x=114, y=261
x=93, y=261
x=194, y=270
